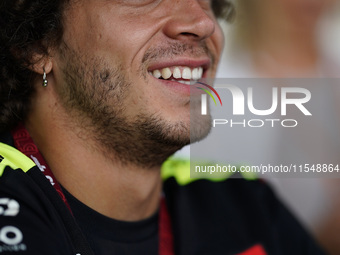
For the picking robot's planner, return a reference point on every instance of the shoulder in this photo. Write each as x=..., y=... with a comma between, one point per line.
x=29, y=223
x=235, y=213
x=177, y=179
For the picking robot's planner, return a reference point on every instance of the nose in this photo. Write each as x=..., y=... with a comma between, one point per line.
x=189, y=21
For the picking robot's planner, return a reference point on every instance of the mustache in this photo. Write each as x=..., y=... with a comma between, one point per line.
x=177, y=49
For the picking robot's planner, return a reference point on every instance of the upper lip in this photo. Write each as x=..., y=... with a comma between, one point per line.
x=192, y=63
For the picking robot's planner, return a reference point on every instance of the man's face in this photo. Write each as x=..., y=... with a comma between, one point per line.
x=123, y=65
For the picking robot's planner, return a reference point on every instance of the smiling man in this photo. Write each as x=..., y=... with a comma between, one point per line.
x=95, y=96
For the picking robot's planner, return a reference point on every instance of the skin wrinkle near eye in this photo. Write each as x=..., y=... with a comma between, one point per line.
x=135, y=7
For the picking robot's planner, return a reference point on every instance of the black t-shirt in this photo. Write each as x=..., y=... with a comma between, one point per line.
x=229, y=217
x=108, y=236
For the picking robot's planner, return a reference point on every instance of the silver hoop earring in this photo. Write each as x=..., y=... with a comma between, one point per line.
x=45, y=81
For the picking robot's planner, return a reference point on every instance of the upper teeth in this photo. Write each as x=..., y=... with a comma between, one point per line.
x=178, y=72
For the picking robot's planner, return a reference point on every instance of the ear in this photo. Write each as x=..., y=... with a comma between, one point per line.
x=41, y=64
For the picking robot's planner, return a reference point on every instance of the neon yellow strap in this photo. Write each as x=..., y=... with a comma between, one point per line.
x=177, y=168
x=13, y=158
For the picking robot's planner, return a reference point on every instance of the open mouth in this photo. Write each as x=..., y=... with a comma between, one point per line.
x=181, y=74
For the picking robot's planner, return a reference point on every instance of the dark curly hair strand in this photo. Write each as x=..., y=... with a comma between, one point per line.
x=27, y=27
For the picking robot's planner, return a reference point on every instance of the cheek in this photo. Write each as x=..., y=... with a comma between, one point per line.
x=219, y=39
x=216, y=43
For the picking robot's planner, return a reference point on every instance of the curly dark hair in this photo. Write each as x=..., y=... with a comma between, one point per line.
x=29, y=27
x=223, y=9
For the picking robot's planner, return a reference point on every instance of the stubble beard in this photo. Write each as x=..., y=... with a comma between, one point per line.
x=94, y=96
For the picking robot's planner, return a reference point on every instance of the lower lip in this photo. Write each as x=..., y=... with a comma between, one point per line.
x=180, y=88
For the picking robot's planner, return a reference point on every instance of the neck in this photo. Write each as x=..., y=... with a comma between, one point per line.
x=122, y=192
